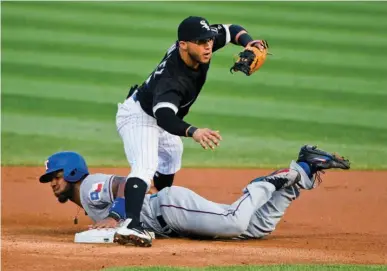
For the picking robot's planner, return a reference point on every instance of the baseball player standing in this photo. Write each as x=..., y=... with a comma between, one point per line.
x=150, y=121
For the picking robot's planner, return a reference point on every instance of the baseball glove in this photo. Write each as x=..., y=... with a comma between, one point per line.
x=251, y=58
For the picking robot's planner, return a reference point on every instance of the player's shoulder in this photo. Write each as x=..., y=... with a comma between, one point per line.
x=96, y=180
x=173, y=68
x=98, y=177
x=97, y=187
x=176, y=75
x=218, y=27
x=172, y=57
x=223, y=36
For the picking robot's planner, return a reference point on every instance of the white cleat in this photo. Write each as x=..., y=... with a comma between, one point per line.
x=133, y=236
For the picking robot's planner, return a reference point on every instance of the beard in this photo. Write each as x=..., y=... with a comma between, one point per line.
x=195, y=57
x=66, y=195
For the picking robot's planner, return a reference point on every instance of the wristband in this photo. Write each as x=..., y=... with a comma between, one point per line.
x=117, y=210
x=114, y=216
x=190, y=131
x=244, y=39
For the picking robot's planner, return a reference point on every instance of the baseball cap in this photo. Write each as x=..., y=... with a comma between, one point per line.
x=195, y=28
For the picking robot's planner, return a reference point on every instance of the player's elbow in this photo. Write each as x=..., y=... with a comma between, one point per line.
x=167, y=120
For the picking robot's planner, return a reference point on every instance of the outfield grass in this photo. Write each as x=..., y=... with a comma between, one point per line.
x=260, y=268
x=66, y=65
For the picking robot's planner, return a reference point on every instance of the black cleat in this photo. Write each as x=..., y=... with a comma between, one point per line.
x=319, y=160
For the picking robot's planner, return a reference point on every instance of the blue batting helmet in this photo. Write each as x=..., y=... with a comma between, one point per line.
x=73, y=165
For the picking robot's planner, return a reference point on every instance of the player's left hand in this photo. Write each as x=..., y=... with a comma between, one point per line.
x=251, y=58
x=108, y=222
x=260, y=44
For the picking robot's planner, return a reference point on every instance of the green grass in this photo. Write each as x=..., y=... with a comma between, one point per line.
x=263, y=268
x=66, y=65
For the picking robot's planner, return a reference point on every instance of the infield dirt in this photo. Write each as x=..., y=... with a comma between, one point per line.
x=342, y=221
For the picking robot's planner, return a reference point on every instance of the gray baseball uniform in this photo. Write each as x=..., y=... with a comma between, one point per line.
x=185, y=213
x=97, y=197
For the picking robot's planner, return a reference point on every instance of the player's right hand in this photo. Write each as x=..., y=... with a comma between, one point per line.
x=207, y=138
x=108, y=222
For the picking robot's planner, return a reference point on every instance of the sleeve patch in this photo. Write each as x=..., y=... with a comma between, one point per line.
x=95, y=191
x=228, y=34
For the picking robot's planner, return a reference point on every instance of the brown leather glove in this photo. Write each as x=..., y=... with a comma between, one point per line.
x=251, y=58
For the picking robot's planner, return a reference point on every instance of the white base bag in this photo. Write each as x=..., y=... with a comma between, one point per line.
x=101, y=236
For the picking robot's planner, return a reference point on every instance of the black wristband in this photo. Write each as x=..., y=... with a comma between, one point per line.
x=190, y=131
x=244, y=39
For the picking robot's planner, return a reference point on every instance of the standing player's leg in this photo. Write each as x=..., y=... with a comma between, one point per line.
x=192, y=215
x=170, y=155
x=140, y=135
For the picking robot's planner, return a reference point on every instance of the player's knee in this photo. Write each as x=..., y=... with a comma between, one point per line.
x=163, y=180
x=146, y=181
x=145, y=174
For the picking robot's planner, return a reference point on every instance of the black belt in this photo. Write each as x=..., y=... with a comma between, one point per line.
x=165, y=228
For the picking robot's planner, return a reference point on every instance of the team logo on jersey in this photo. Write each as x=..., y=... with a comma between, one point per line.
x=95, y=191
x=204, y=24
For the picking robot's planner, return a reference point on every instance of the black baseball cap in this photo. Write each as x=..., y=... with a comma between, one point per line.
x=195, y=28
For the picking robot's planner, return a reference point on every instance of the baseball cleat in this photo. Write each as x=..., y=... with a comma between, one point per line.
x=281, y=178
x=133, y=236
x=319, y=160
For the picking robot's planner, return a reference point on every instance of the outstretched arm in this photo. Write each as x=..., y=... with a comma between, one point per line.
x=235, y=34
x=239, y=35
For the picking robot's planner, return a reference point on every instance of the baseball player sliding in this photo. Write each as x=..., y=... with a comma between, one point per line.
x=150, y=121
x=179, y=212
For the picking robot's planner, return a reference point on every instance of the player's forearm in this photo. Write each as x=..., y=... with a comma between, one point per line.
x=239, y=35
x=167, y=120
x=118, y=186
x=121, y=190
x=117, y=210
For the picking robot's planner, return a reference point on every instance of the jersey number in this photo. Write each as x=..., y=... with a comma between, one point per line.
x=161, y=66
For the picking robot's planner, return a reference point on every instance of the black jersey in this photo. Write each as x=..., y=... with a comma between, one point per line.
x=175, y=85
